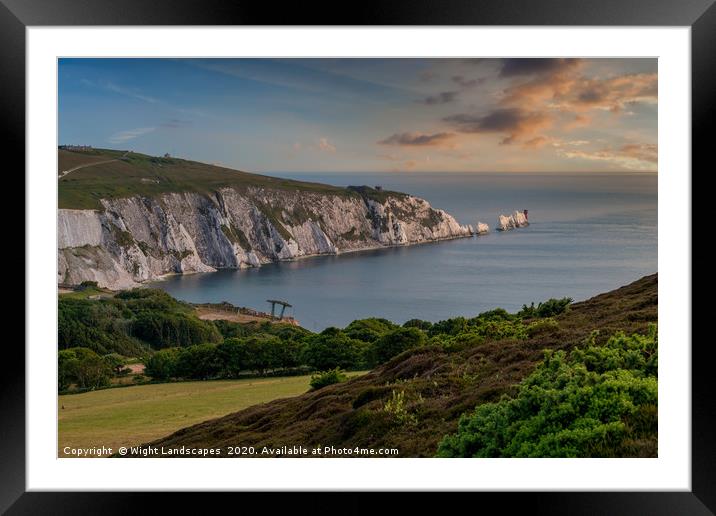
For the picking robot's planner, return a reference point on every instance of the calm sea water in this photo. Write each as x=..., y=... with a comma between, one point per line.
x=589, y=233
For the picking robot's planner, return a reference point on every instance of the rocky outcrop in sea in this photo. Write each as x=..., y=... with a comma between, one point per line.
x=517, y=220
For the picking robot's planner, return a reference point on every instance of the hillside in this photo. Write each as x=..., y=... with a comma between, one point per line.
x=433, y=385
x=135, y=174
x=127, y=218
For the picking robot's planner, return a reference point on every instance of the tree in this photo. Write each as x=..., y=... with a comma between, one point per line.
x=66, y=366
x=453, y=326
x=115, y=361
x=162, y=365
x=395, y=342
x=418, y=323
x=368, y=330
x=200, y=361
x=332, y=348
x=262, y=352
x=232, y=355
x=83, y=367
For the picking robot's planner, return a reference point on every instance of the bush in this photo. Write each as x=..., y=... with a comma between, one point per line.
x=542, y=326
x=65, y=372
x=199, y=362
x=162, y=365
x=131, y=323
x=419, y=324
x=262, y=352
x=458, y=342
x=591, y=402
x=498, y=314
x=84, y=367
x=230, y=330
x=101, y=326
x=395, y=342
x=172, y=329
x=368, y=330
x=549, y=308
x=115, y=362
x=396, y=406
x=232, y=355
x=452, y=326
x=332, y=348
x=324, y=378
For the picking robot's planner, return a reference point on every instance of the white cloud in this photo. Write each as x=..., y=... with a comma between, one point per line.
x=325, y=146
x=130, y=134
x=128, y=92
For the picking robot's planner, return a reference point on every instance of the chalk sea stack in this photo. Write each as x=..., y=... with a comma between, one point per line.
x=517, y=220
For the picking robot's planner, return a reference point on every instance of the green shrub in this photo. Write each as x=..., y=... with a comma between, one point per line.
x=332, y=348
x=102, y=326
x=161, y=329
x=232, y=355
x=452, y=326
x=162, y=365
x=396, y=407
x=579, y=404
x=549, y=308
x=498, y=314
x=453, y=344
x=115, y=362
x=262, y=352
x=83, y=367
x=419, y=324
x=395, y=342
x=368, y=330
x=199, y=362
x=324, y=378
x=542, y=326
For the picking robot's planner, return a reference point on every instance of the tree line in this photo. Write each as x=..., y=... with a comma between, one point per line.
x=173, y=343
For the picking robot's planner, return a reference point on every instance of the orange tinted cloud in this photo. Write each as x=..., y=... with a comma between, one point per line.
x=639, y=156
x=612, y=93
x=536, y=142
x=565, y=89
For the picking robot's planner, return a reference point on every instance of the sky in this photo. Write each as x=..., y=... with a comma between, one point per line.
x=369, y=115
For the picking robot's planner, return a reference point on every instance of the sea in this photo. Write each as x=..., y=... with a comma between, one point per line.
x=589, y=233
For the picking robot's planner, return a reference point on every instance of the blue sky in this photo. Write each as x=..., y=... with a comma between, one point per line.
x=350, y=115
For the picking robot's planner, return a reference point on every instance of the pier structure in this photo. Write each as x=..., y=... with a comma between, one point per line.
x=283, y=304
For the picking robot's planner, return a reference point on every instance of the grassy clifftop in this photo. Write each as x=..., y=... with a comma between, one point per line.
x=93, y=177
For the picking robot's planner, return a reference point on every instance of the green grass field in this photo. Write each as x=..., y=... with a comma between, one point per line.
x=139, y=174
x=139, y=414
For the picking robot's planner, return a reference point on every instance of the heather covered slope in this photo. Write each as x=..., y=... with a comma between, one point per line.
x=436, y=384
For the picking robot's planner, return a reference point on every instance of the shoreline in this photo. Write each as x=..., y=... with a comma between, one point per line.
x=168, y=275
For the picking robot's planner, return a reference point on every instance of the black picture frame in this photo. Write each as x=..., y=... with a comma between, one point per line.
x=700, y=15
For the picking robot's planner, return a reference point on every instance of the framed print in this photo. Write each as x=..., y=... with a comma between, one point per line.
x=426, y=249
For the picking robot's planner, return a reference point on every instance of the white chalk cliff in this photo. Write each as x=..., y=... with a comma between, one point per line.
x=482, y=228
x=137, y=239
